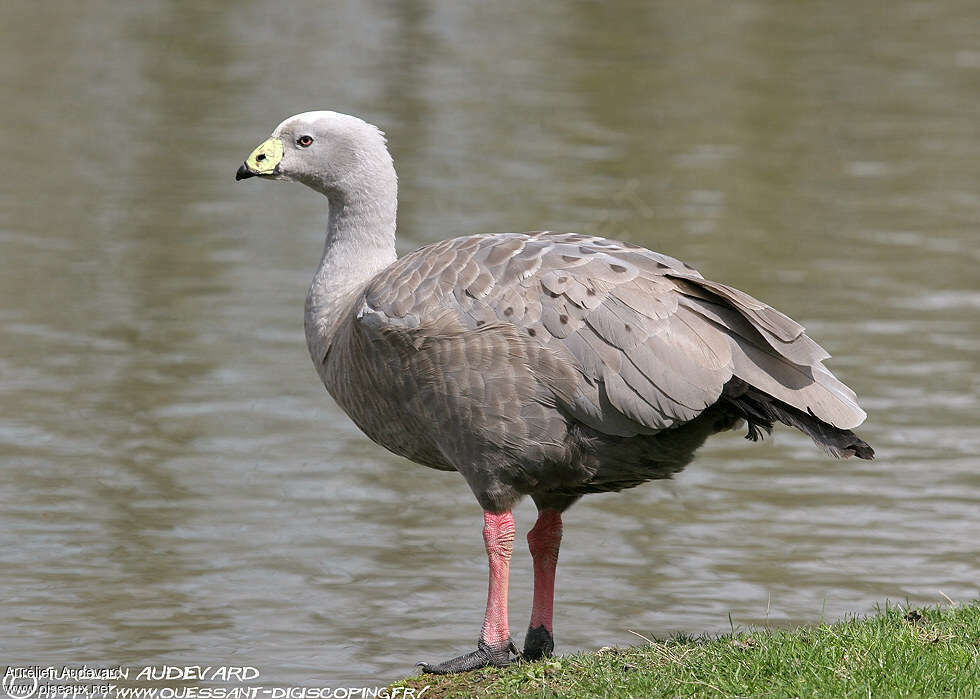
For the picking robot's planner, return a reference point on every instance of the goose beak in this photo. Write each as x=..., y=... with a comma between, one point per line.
x=264, y=160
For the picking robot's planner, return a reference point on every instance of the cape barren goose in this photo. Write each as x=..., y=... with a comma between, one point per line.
x=544, y=364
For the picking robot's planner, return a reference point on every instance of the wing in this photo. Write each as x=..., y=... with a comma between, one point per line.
x=643, y=341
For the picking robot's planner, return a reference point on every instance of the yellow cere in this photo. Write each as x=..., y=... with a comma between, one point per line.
x=264, y=159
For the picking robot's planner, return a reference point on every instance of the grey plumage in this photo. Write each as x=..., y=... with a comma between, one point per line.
x=544, y=364
x=537, y=362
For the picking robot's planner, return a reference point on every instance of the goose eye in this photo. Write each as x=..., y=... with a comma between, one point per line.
x=304, y=141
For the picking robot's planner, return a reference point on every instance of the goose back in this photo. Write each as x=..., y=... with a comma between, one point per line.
x=511, y=353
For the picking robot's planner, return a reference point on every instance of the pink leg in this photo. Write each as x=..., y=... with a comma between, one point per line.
x=543, y=541
x=495, y=645
x=498, y=535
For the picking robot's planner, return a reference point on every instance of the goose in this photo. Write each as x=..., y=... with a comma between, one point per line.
x=541, y=364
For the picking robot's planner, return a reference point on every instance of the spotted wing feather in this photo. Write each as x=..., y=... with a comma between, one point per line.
x=623, y=339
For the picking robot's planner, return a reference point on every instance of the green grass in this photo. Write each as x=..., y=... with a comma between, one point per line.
x=895, y=653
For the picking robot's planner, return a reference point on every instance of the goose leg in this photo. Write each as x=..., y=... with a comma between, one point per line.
x=495, y=645
x=543, y=541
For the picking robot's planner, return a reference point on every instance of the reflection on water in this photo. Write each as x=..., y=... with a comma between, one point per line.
x=177, y=486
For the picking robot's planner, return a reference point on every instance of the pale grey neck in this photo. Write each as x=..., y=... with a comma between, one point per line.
x=360, y=243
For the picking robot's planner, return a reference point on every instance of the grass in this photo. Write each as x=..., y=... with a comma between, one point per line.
x=894, y=653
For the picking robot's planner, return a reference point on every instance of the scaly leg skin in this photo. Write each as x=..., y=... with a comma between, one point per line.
x=543, y=541
x=495, y=645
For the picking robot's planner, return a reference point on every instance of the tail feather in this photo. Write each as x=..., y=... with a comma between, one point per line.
x=760, y=411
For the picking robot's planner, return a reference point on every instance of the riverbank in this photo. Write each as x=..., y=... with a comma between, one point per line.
x=896, y=652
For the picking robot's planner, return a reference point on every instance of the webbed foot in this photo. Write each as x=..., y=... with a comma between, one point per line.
x=484, y=655
x=538, y=644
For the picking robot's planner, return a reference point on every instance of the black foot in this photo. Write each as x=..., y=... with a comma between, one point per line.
x=538, y=644
x=483, y=656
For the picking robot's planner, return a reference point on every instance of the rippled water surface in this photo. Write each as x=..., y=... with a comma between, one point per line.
x=177, y=486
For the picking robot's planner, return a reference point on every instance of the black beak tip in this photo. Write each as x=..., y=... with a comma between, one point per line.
x=243, y=173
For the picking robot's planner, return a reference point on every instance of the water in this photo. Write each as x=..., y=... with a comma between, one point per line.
x=178, y=488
